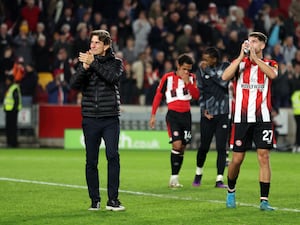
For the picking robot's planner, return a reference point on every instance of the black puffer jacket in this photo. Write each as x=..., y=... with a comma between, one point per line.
x=99, y=86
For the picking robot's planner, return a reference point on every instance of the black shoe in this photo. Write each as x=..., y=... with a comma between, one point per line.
x=220, y=184
x=114, y=205
x=95, y=206
x=197, y=181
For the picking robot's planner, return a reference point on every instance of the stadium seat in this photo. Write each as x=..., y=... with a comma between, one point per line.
x=44, y=79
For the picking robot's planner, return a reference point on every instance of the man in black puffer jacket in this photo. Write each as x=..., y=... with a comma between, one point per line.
x=97, y=77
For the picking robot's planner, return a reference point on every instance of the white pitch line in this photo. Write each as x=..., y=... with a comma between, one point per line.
x=136, y=193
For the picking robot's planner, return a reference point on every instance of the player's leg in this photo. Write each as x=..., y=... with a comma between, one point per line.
x=177, y=151
x=263, y=140
x=91, y=129
x=176, y=158
x=221, y=143
x=241, y=140
x=207, y=130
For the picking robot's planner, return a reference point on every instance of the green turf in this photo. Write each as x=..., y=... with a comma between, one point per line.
x=144, y=191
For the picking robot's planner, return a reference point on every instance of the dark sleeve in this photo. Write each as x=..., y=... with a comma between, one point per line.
x=78, y=79
x=218, y=79
x=110, y=70
x=200, y=87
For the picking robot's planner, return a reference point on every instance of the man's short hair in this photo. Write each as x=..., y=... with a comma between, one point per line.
x=103, y=36
x=185, y=58
x=260, y=36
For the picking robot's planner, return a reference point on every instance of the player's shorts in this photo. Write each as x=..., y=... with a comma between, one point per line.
x=243, y=135
x=179, y=126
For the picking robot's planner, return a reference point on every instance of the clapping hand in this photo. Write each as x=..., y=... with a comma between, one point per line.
x=86, y=58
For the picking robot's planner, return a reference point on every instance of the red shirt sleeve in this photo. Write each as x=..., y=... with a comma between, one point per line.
x=158, y=95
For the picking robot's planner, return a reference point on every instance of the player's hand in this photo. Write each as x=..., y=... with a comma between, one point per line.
x=152, y=122
x=86, y=58
x=185, y=77
x=207, y=115
x=203, y=65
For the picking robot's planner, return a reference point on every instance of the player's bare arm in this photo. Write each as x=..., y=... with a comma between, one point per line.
x=152, y=122
x=270, y=71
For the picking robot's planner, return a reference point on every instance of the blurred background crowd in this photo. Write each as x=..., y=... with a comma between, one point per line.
x=40, y=41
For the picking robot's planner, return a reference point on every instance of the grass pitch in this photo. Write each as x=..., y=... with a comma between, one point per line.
x=47, y=186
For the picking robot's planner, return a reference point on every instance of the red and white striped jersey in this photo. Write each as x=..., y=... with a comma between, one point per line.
x=252, y=93
x=176, y=92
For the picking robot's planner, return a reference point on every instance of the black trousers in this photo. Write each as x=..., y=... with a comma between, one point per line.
x=218, y=126
x=11, y=128
x=297, y=119
x=96, y=129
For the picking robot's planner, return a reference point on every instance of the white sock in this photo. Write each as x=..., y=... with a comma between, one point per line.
x=199, y=171
x=219, y=178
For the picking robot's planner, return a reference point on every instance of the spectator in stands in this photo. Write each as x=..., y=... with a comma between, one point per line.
x=168, y=66
x=155, y=11
x=262, y=21
x=213, y=15
x=289, y=49
x=158, y=63
x=138, y=68
x=87, y=17
x=169, y=45
x=28, y=85
x=18, y=69
x=54, y=11
x=12, y=105
x=191, y=16
x=238, y=24
x=184, y=41
x=5, y=39
x=124, y=27
x=151, y=80
x=233, y=45
x=128, y=90
x=63, y=63
x=113, y=30
x=81, y=40
x=296, y=60
x=30, y=12
x=174, y=24
x=97, y=20
x=58, y=89
x=23, y=43
x=6, y=67
x=282, y=86
x=2, y=11
x=294, y=8
x=67, y=18
x=141, y=29
x=205, y=29
x=42, y=55
x=128, y=50
x=276, y=53
x=157, y=34
x=62, y=41
x=40, y=30
x=277, y=32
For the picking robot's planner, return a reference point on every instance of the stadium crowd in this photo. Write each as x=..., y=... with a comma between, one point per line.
x=39, y=37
